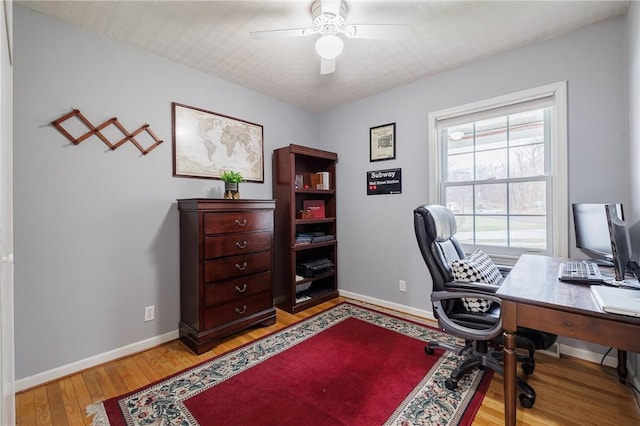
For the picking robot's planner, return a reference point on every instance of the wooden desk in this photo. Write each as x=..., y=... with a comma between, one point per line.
x=532, y=296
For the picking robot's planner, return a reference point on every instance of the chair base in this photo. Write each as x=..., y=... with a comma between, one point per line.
x=479, y=355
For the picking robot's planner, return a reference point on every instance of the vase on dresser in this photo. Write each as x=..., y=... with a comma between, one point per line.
x=231, y=190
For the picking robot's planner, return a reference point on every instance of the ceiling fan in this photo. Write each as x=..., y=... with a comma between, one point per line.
x=329, y=20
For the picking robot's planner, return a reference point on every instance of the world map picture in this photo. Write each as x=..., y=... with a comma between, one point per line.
x=206, y=144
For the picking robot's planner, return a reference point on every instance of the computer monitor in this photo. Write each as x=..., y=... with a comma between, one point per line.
x=592, y=230
x=620, y=241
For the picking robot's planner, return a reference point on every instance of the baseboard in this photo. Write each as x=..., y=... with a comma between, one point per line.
x=560, y=349
x=553, y=351
x=386, y=304
x=66, y=370
x=611, y=360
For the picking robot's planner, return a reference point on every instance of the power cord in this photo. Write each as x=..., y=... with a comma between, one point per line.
x=626, y=382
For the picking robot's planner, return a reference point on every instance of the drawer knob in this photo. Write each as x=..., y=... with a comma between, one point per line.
x=241, y=246
x=242, y=310
x=241, y=267
x=243, y=223
x=243, y=289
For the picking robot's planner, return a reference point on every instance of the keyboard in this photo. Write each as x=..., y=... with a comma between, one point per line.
x=580, y=272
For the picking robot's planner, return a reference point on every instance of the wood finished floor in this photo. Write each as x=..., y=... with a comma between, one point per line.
x=569, y=391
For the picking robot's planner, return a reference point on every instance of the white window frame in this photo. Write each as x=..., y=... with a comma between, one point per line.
x=558, y=199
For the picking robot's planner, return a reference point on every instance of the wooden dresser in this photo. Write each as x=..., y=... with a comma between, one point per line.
x=226, y=268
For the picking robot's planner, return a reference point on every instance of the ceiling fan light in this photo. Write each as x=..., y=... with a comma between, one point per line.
x=329, y=46
x=456, y=135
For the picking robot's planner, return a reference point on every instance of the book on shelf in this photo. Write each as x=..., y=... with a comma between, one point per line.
x=321, y=238
x=303, y=238
x=325, y=180
x=312, y=237
x=316, y=207
x=318, y=180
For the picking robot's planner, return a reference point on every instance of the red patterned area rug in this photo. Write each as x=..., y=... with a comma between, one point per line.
x=349, y=365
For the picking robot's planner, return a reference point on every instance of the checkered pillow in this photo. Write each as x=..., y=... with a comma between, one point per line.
x=478, y=267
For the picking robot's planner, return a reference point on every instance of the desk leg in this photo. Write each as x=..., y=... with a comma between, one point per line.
x=509, y=378
x=622, y=366
x=509, y=324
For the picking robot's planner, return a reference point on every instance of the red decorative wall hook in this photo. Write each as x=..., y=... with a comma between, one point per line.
x=97, y=131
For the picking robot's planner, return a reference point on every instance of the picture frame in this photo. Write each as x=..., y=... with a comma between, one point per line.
x=205, y=144
x=382, y=142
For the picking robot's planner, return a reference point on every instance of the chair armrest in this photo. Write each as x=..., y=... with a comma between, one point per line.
x=504, y=269
x=438, y=296
x=465, y=332
x=478, y=287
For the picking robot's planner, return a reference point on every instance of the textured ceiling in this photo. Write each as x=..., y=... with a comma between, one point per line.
x=213, y=37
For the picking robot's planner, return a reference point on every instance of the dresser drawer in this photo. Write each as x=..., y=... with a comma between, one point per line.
x=240, y=221
x=237, y=310
x=236, y=266
x=231, y=244
x=221, y=292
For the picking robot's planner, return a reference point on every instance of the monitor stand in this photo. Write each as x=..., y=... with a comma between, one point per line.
x=602, y=262
x=635, y=268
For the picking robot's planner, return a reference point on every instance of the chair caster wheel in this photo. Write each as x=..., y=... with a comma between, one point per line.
x=526, y=401
x=428, y=350
x=450, y=384
x=528, y=366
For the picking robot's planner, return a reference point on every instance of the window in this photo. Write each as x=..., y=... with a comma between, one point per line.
x=500, y=166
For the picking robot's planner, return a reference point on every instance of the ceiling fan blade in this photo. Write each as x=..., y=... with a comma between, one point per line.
x=378, y=31
x=290, y=32
x=327, y=66
x=330, y=6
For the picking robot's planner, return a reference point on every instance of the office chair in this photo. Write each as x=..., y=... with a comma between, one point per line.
x=481, y=327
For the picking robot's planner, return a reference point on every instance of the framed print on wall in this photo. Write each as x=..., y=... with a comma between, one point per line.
x=382, y=142
x=205, y=144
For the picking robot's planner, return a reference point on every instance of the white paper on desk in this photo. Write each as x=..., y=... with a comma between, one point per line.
x=623, y=301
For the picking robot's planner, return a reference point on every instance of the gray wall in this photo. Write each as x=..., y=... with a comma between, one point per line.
x=633, y=128
x=378, y=230
x=96, y=231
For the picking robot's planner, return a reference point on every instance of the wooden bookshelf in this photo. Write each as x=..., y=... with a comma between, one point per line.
x=291, y=293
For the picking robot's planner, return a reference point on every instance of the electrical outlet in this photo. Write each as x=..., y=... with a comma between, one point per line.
x=402, y=285
x=149, y=313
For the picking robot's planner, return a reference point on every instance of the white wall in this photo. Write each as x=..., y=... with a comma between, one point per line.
x=96, y=231
x=377, y=242
x=633, y=128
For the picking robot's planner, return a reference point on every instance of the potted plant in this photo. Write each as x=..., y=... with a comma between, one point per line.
x=231, y=181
